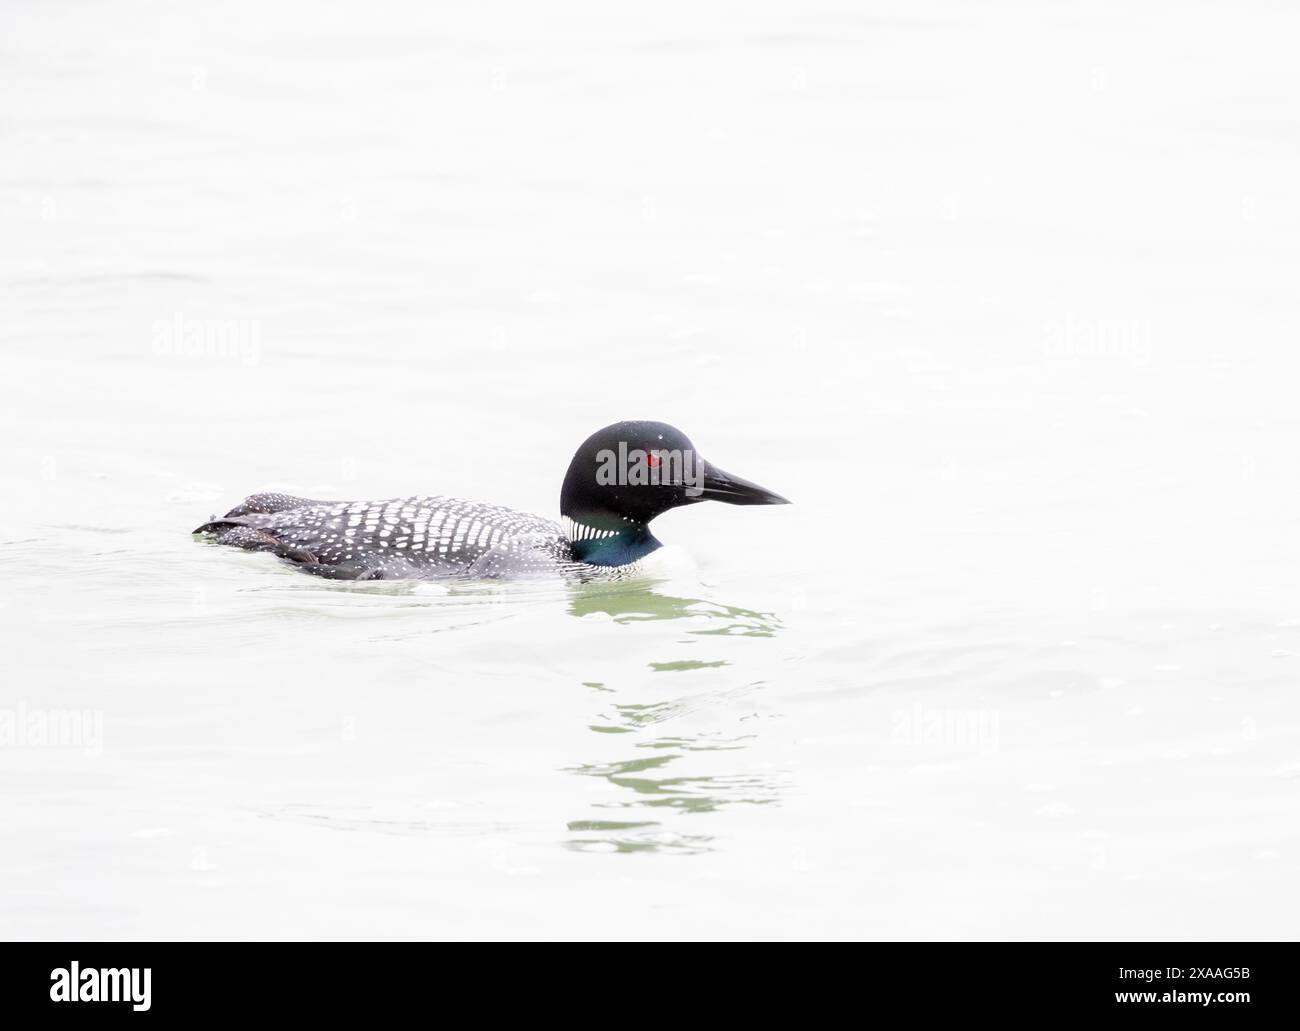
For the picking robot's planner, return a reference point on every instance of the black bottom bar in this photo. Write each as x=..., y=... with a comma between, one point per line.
x=1137, y=983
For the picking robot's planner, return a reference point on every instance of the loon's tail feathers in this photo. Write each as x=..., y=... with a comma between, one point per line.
x=270, y=502
x=254, y=505
x=239, y=527
x=217, y=525
x=238, y=532
x=220, y=524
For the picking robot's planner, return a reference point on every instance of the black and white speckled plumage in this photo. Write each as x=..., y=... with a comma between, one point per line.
x=396, y=539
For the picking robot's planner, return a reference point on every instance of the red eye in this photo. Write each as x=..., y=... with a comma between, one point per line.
x=654, y=460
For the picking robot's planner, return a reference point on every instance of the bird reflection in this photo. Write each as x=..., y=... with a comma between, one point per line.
x=627, y=604
x=674, y=734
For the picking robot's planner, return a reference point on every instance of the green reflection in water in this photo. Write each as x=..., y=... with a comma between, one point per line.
x=643, y=604
x=685, y=664
x=608, y=825
x=646, y=782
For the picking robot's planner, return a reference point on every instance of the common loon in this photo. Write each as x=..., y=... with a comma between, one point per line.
x=619, y=480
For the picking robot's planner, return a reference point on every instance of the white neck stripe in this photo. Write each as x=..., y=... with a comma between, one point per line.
x=576, y=531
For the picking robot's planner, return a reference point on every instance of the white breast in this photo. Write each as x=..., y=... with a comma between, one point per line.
x=667, y=562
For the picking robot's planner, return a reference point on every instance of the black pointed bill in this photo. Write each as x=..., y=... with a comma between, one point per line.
x=735, y=490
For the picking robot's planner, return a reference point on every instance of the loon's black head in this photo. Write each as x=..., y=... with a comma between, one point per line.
x=628, y=473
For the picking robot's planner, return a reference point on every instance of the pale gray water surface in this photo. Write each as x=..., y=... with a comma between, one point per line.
x=1002, y=297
